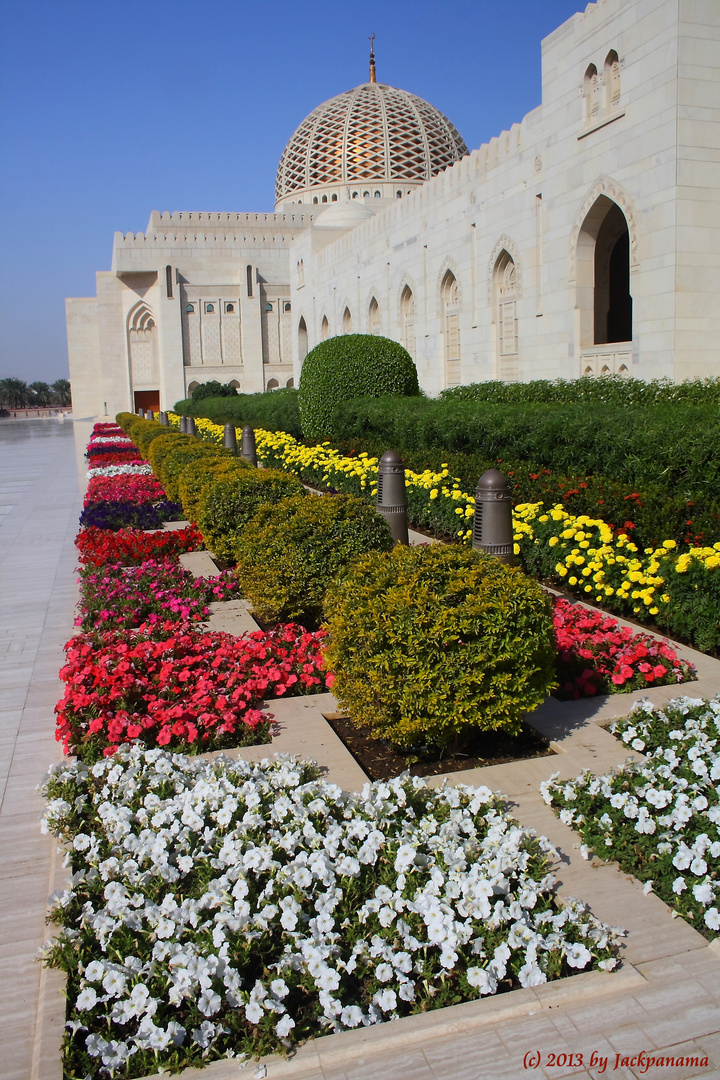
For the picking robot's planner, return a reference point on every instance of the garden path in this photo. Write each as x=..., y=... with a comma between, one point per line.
x=666, y=996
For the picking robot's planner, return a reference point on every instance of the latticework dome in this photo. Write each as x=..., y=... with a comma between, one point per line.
x=372, y=135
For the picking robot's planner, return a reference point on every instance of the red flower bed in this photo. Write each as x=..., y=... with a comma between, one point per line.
x=124, y=488
x=99, y=458
x=598, y=656
x=189, y=691
x=133, y=546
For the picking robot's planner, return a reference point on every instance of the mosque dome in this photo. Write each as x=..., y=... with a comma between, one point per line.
x=373, y=141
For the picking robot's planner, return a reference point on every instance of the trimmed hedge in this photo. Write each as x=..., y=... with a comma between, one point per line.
x=430, y=644
x=290, y=552
x=276, y=411
x=213, y=389
x=609, y=389
x=176, y=461
x=200, y=475
x=229, y=505
x=351, y=366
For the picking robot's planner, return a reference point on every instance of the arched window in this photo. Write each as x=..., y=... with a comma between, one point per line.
x=611, y=81
x=290, y=384
x=302, y=340
x=192, y=386
x=355, y=194
x=398, y=194
x=450, y=295
x=235, y=383
x=324, y=328
x=374, y=317
x=209, y=309
x=377, y=194
x=592, y=88
x=287, y=306
x=189, y=308
x=347, y=321
x=273, y=384
x=229, y=308
x=334, y=198
x=505, y=316
x=603, y=275
x=366, y=194
x=324, y=198
x=407, y=320
x=315, y=199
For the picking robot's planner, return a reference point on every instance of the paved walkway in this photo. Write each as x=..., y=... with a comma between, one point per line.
x=40, y=502
x=666, y=997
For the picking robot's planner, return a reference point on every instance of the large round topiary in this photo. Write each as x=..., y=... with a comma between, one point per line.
x=290, y=552
x=351, y=366
x=430, y=644
x=228, y=506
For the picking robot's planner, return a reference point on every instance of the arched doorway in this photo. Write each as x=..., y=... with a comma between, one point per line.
x=505, y=315
x=142, y=355
x=450, y=297
x=604, y=300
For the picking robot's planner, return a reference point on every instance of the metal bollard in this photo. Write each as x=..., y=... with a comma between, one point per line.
x=247, y=446
x=230, y=438
x=183, y=425
x=163, y=419
x=190, y=426
x=492, y=524
x=392, y=496
x=149, y=414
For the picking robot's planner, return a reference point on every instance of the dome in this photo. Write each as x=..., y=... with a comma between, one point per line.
x=385, y=141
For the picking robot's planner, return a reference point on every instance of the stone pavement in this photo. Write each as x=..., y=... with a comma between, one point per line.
x=665, y=997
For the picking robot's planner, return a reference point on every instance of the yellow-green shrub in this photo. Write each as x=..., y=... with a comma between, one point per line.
x=160, y=449
x=180, y=457
x=230, y=504
x=290, y=552
x=200, y=475
x=430, y=644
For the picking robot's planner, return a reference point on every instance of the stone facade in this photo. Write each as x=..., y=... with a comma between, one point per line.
x=584, y=240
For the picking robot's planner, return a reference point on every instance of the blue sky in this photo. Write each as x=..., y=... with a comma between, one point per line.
x=111, y=110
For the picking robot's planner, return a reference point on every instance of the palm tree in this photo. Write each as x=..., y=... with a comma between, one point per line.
x=43, y=393
x=61, y=391
x=14, y=393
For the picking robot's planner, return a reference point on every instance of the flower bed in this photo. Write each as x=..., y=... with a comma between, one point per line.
x=187, y=690
x=136, y=489
x=598, y=656
x=119, y=514
x=659, y=819
x=132, y=546
x=116, y=596
x=228, y=909
x=132, y=468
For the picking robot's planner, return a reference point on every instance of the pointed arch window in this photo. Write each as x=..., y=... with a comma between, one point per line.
x=407, y=320
x=505, y=316
x=450, y=295
x=302, y=339
x=611, y=81
x=347, y=321
x=592, y=89
x=374, y=316
x=324, y=328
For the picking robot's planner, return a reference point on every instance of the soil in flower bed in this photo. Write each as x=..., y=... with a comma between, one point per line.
x=381, y=761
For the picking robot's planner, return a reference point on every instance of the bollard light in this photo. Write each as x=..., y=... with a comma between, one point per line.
x=392, y=496
x=492, y=525
x=190, y=426
x=248, y=451
x=230, y=438
x=183, y=425
x=163, y=419
x=149, y=414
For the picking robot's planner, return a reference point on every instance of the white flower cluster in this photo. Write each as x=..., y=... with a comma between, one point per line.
x=108, y=440
x=225, y=905
x=671, y=798
x=119, y=470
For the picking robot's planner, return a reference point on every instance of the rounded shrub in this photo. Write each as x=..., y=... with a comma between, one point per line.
x=230, y=504
x=160, y=449
x=432, y=644
x=200, y=475
x=177, y=460
x=351, y=366
x=290, y=552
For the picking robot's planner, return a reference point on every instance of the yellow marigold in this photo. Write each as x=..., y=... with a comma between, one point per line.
x=552, y=541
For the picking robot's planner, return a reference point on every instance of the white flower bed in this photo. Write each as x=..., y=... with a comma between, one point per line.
x=659, y=819
x=108, y=440
x=119, y=470
x=221, y=908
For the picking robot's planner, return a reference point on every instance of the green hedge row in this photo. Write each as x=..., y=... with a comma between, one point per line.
x=276, y=411
x=609, y=389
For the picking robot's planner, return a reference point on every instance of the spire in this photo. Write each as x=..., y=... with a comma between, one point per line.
x=372, y=59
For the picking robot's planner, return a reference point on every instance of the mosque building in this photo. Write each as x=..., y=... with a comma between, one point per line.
x=583, y=241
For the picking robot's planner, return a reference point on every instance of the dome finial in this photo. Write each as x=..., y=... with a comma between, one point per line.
x=372, y=59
